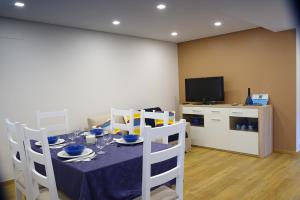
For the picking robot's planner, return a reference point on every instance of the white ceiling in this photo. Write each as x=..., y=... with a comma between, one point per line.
x=192, y=19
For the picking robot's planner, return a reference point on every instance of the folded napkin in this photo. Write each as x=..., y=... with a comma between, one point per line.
x=86, y=133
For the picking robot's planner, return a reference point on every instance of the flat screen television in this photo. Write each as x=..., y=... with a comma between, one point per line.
x=205, y=90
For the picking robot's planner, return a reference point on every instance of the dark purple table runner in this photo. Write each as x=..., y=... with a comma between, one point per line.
x=116, y=175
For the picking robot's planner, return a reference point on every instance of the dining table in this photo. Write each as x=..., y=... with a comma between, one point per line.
x=115, y=175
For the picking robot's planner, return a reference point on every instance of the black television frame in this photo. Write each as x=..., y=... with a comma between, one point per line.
x=206, y=101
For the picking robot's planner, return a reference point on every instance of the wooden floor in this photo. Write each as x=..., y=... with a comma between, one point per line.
x=9, y=190
x=212, y=174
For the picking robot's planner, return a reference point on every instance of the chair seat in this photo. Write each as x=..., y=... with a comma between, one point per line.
x=162, y=193
x=45, y=195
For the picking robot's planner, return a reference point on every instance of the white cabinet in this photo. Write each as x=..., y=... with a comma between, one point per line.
x=216, y=127
x=243, y=141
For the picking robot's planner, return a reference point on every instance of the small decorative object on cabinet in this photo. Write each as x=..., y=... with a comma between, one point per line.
x=249, y=99
x=243, y=129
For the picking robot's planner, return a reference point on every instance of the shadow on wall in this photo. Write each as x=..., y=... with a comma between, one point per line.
x=295, y=8
x=2, y=194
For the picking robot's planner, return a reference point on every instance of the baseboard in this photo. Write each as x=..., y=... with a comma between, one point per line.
x=286, y=152
x=8, y=182
x=227, y=151
x=274, y=151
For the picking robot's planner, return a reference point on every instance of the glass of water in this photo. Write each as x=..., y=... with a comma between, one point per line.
x=71, y=137
x=77, y=132
x=107, y=138
x=100, y=144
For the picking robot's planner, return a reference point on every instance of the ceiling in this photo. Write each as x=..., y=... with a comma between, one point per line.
x=192, y=19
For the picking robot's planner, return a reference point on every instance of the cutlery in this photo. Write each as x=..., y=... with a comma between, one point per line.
x=112, y=142
x=80, y=158
x=87, y=159
x=59, y=145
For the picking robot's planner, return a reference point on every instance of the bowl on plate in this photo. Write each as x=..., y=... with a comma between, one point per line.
x=97, y=131
x=52, y=139
x=131, y=138
x=74, y=149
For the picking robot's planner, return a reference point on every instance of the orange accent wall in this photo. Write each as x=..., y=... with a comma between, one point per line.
x=257, y=58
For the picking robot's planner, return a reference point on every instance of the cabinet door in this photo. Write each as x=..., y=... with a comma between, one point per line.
x=199, y=136
x=216, y=123
x=243, y=141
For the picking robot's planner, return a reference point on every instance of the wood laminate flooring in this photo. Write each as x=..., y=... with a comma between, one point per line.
x=212, y=174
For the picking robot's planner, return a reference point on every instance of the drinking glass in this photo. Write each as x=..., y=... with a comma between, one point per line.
x=76, y=132
x=107, y=138
x=71, y=136
x=100, y=144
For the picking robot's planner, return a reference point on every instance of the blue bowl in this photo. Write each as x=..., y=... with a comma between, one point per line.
x=52, y=139
x=130, y=138
x=97, y=131
x=74, y=149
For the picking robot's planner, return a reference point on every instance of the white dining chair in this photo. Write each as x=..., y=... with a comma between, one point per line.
x=55, y=122
x=37, y=179
x=149, y=158
x=164, y=116
x=16, y=146
x=127, y=126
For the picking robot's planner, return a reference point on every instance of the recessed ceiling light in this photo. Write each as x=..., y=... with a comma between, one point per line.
x=174, y=33
x=218, y=23
x=161, y=6
x=116, y=22
x=19, y=4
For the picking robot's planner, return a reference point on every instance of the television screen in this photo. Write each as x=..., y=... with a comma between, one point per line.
x=208, y=89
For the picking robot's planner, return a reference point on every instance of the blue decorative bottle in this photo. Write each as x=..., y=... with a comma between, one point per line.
x=249, y=99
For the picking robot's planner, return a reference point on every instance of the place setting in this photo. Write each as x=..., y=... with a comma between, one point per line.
x=127, y=139
x=76, y=153
x=54, y=142
x=76, y=150
x=98, y=132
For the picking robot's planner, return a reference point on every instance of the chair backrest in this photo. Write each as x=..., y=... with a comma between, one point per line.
x=150, y=158
x=18, y=156
x=43, y=158
x=56, y=122
x=129, y=126
x=164, y=116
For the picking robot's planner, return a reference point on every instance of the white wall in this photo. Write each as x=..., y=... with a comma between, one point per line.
x=298, y=89
x=45, y=67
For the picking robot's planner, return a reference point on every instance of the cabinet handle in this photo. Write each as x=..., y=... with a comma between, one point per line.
x=215, y=111
x=218, y=120
x=196, y=110
x=235, y=112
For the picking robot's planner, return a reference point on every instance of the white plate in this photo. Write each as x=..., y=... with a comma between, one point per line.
x=63, y=154
x=122, y=141
x=59, y=141
x=88, y=133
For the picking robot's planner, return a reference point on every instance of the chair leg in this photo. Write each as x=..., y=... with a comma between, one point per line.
x=18, y=194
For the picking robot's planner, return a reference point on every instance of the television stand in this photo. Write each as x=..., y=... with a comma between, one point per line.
x=243, y=129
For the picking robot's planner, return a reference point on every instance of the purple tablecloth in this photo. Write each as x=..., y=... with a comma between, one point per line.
x=116, y=175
